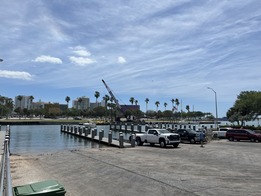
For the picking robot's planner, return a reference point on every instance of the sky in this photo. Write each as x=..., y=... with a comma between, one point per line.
x=160, y=50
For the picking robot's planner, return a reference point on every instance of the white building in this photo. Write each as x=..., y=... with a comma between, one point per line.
x=24, y=103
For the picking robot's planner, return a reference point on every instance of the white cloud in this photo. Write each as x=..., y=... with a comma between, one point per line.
x=82, y=61
x=81, y=51
x=121, y=60
x=48, y=59
x=15, y=75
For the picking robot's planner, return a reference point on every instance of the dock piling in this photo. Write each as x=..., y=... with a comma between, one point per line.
x=121, y=140
x=110, y=137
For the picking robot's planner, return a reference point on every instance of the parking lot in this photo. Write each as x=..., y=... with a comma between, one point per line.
x=220, y=168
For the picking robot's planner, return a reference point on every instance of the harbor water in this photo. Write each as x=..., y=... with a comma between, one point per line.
x=28, y=139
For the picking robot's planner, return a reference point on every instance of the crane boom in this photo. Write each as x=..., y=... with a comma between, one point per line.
x=112, y=96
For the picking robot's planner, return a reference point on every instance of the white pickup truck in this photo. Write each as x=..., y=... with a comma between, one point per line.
x=158, y=136
x=221, y=133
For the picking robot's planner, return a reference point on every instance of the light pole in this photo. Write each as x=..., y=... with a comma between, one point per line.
x=216, y=120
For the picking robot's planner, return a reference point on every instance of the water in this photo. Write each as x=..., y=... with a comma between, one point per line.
x=45, y=139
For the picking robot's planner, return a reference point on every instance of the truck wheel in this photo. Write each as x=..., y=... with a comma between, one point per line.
x=139, y=142
x=176, y=145
x=162, y=143
x=192, y=141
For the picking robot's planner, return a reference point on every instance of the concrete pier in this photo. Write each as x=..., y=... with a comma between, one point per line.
x=95, y=135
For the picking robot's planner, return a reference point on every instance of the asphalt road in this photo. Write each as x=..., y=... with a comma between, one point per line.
x=220, y=168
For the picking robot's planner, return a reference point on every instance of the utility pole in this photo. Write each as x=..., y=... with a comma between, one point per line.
x=216, y=119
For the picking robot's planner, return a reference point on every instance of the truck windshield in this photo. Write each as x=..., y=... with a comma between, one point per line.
x=163, y=131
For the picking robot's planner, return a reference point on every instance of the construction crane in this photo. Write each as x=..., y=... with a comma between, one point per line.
x=113, y=97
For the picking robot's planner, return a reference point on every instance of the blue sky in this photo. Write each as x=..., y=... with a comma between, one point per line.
x=143, y=49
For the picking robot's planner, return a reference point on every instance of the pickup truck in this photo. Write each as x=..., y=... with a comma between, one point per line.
x=188, y=135
x=162, y=137
x=221, y=133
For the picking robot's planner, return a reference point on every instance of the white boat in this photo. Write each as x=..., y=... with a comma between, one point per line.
x=89, y=125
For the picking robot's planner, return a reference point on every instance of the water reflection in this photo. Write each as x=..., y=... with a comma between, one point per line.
x=45, y=138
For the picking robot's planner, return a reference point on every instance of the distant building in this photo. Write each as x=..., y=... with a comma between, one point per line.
x=84, y=104
x=38, y=105
x=24, y=103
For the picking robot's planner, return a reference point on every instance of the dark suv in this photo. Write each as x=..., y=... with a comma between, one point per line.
x=188, y=135
x=242, y=134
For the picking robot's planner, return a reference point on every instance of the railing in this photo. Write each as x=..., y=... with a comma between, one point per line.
x=5, y=173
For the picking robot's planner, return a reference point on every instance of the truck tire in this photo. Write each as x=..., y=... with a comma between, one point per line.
x=162, y=143
x=139, y=142
x=192, y=141
x=176, y=145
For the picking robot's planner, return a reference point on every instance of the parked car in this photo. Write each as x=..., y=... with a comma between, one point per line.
x=242, y=134
x=188, y=135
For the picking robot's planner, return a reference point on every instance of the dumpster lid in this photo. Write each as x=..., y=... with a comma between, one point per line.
x=39, y=188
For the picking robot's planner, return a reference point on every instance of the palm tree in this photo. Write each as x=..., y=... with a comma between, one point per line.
x=20, y=97
x=80, y=101
x=132, y=100
x=187, y=107
x=147, y=101
x=172, y=101
x=67, y=99
x=136, y=102
x=96, y=95
x=177, y=103
x=31, y=98
x=157, y=104
x=165, y=105
x=106, y=98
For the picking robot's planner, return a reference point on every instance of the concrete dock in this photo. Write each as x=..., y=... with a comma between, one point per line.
x=220, y=168
x=95, y=135
x=2, y=138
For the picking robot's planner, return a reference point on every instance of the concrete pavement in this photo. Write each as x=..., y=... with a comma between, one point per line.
x=220, y=168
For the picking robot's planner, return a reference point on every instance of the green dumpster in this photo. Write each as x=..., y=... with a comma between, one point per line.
x=46, y=188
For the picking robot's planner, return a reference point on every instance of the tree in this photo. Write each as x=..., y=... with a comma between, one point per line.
x=165, y=105
x=96, y=95
x=80, y=101
x=31, y=98
x=247, y=107
x=20, y=97
x=106, y=98
x=132, y=100
x=136, y=102
x=6, y=106
x=147, y=101
x=172, y=101
x=29, y=110
x=177, y=103
x=187, y=108
x=157, y=103
x=67, y=99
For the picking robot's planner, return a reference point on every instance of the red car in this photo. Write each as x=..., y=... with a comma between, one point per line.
x=242, y=134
